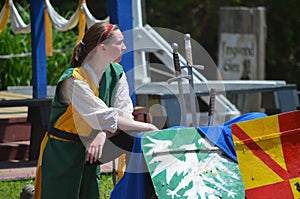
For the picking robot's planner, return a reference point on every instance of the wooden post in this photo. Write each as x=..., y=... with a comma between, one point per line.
x=39, y=70
x=242, y=37
x=243, y=20
x=120, y=12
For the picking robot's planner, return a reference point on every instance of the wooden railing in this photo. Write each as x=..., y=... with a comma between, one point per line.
x=39, y=117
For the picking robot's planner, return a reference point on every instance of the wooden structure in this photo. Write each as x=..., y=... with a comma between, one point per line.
x=242, y=38
x=14, y=129
x=246, y=21
x=34, y=118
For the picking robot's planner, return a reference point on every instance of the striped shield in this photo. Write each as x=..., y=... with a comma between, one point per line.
x=268, y=152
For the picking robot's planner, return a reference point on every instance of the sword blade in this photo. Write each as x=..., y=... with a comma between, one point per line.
x=189, y=58
x=179, y=82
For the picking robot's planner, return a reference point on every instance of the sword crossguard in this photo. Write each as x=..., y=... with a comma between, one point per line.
x=178, y=78
x=200, y=67
x=188, y=53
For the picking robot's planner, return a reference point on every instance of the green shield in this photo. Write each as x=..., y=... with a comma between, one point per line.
x=183, y=164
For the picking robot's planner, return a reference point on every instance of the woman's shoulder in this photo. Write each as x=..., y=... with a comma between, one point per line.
x=116, y=66
x=66, y=74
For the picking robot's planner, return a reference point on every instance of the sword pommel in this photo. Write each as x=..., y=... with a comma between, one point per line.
x=174, y=47
x=187, y=36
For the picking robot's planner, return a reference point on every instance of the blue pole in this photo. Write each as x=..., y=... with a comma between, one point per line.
x=120, y=12
x=39, y=70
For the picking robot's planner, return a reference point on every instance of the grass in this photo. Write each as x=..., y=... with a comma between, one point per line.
x=12, y=189
x=106, y=185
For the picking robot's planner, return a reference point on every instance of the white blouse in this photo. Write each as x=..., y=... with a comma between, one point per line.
x=92, y=109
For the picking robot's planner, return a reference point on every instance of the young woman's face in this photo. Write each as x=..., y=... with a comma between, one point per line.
x=116, y=46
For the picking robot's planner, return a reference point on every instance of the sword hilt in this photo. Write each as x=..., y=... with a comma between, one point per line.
x=178, y=78
x=211, y=108
x=188, y=49
x=176, y=58
x=189, y=59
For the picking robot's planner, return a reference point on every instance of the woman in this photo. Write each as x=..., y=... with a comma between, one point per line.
x=82, y=117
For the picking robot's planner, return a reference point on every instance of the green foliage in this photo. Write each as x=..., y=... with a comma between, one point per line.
x=283, y=42
x=59, y=61
x=12, y=189
x=201, y=19
x=17, y=71
x=106, y=185
x=198, y=17
x=14, y=71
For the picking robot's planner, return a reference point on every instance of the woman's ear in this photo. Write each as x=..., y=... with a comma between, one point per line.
x=101, y=47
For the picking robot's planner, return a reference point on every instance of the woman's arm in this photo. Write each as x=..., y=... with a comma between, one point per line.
x=90, y=107
x=126, y=125
x=122, y=100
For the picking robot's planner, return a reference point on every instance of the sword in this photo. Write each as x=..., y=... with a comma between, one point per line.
x=211, y=109
x=178, y=78
x=189, y=59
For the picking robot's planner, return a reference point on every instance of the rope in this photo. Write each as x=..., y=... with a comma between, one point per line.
x=29, y=54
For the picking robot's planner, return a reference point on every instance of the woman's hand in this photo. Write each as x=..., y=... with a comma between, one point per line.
x=150, y=127
x=94, y=150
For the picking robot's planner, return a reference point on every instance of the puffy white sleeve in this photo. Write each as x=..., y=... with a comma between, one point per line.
x=122, y=99
x=91, y=108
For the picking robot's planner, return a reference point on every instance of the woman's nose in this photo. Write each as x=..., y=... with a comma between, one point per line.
x=124, y=47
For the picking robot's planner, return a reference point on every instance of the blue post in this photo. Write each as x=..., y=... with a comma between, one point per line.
x=120, y=12
x=39, y=70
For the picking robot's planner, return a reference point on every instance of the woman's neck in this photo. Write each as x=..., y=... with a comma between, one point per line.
x=98, y=67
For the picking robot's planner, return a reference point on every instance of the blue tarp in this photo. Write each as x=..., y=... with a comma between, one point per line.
x=221, y=135
x=132, y=184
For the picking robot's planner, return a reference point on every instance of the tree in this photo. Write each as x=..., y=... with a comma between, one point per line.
x=201, y=19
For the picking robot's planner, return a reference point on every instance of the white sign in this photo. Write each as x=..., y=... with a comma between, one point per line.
x=237, y=56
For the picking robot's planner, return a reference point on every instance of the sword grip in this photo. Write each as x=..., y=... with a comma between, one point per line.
x=176, y=58
x=212, y=101
x=211, y=108
x=188, y=49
